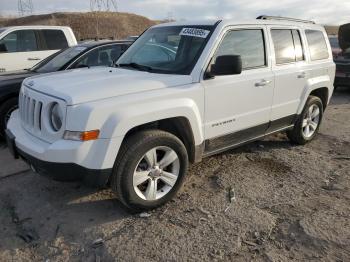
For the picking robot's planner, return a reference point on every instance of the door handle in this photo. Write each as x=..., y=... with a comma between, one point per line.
x=34, y=59
x=262, y=83
x=302, y=75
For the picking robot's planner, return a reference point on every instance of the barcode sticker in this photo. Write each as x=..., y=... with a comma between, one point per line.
x=195, y=32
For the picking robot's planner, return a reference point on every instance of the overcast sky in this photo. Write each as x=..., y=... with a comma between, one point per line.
x=322, y=11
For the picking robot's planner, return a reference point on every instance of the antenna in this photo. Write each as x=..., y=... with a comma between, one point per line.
x=25, y=7
x=103, y=5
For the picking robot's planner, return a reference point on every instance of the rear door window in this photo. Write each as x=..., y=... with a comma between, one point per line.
x=20, y=41
x=284, y=46
x=54, y=39
x=288, y=46
x=317, y=45
x=299, y=50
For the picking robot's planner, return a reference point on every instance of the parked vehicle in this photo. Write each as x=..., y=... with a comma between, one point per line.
x=24, y=46
x=137, y=127
x=342, y=60
x=96, y=53
x=336, y=50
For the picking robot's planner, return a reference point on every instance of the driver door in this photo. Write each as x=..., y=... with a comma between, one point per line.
x=238, y=106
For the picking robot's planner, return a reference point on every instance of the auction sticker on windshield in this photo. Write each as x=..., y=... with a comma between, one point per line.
x=195, y=32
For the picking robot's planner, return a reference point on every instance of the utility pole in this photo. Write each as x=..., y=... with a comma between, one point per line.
x=103, y=5
x=25, y=7
x=170, y=17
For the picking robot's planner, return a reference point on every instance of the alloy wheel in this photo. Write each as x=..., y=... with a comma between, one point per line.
x=156, y=173
x=311, y=121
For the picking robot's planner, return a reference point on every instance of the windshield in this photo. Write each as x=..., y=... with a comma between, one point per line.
x=57, y=61
x=169, y=49
x=334, y=42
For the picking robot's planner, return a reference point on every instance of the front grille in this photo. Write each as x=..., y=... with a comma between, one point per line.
x=30, y=110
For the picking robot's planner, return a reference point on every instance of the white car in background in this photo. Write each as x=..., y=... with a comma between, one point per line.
x=22, y=47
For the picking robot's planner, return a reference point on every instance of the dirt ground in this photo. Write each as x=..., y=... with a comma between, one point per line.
x=289, y=203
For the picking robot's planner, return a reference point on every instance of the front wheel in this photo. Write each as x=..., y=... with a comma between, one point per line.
x=149, y=170
x=308, y=123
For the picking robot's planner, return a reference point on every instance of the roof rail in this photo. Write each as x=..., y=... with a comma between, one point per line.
x=281, y=18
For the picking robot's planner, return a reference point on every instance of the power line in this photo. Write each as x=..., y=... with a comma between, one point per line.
x=103, y=5
x=25, y=7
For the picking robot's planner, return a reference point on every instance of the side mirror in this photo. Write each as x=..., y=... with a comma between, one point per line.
x=226, y=65
x=3, y=48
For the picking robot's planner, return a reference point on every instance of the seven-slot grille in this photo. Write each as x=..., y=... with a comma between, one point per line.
x=30, y=111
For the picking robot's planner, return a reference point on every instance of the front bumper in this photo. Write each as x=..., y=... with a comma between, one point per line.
x=67, y=171
x=64, y=160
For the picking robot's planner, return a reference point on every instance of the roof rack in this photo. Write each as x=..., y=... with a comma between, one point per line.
x=281, y=18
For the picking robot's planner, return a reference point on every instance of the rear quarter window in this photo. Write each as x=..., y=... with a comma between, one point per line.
x=317, y=45
x=54, y=39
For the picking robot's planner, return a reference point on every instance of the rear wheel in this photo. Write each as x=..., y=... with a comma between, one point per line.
x=6, y=110
x=150, y=169
x=308, y=123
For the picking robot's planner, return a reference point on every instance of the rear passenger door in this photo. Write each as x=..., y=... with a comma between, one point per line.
x=238, y=106
x=291, y=74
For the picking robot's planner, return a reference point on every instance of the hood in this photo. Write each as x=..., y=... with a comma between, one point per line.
x=85, y=85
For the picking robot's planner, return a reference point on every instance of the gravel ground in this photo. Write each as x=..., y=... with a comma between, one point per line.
x=288, y=203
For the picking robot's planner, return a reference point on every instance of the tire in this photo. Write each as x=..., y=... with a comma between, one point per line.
x=6, y=109
x=299, y=135
x=132, y=158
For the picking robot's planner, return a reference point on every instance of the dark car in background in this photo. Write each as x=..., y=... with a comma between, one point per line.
x=90, y=54
x=336, y=50
x=342, y=56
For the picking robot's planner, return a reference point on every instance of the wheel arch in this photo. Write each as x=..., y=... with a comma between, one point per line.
x=320, y=87
x=178, y=126
x=323, y=94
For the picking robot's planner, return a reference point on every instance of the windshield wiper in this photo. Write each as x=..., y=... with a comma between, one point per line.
x=30, y=70
x=137, y=66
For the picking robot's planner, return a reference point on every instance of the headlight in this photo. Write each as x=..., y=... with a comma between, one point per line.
x=56, y=117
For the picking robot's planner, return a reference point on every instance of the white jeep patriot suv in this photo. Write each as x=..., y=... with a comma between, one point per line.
x=181, y=92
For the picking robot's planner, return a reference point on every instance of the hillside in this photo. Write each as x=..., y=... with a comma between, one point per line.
x=332, y=30
x=89, y=25
x=98, y=24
